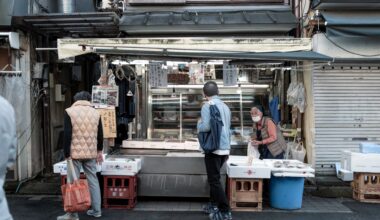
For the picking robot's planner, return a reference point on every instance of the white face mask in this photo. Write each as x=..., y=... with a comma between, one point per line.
x=256, y=118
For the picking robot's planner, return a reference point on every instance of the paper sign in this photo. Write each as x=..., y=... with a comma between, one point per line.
x=230, y=74
x=196, y=73
x=108, y=117
x=105, y=95
x=158, y=77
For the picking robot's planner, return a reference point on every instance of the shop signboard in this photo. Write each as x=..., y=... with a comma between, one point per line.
x=108, y=117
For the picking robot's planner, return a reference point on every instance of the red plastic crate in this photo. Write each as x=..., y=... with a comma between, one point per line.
x=119, y=203
x=120, y=192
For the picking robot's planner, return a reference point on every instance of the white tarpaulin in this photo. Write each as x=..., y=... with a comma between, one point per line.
x=74, y=47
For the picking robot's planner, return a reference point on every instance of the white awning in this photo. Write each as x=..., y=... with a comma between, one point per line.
x=75, y=47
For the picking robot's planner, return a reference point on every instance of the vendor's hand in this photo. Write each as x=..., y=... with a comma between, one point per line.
x=99, y=157
x=256, y=142
x=68, y=158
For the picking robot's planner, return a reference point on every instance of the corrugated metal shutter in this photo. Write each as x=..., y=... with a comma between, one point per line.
x=346, y=109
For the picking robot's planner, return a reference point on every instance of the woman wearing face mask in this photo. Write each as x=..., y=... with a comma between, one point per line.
x=267, y=136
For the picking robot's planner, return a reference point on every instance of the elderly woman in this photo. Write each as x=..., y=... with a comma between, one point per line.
x=267, y=136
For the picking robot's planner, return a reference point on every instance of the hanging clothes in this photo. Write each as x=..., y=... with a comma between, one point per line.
x=274, y=111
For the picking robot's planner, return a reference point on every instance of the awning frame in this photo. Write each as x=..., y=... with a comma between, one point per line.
x=277, y=49
x=232, y=55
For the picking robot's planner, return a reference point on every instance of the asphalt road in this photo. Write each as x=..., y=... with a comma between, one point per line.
x=23, y=208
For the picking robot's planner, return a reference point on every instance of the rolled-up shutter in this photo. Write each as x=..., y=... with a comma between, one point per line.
x=346, y=109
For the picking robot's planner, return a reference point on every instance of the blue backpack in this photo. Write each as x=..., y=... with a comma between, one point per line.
x=210, y=141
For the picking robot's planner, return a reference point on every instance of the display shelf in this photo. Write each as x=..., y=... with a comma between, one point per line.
x=186, y=106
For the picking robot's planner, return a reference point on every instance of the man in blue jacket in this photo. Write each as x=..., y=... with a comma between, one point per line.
x=218, y=208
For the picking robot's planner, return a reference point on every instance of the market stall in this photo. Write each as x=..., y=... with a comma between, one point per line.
x=161, y=97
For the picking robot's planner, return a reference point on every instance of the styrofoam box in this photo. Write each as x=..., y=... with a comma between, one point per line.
x=121, y=166
x=345, y=175
x=238, y=168
x=369, y=148
x=294, y=168
x=360, y=162
x=297, y=166
x=61, y=168
x=168, y=145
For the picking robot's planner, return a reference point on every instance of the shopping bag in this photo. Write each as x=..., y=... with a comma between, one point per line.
x=289, y=146
x=252, y=153
x=75, y=194
x=298, y=152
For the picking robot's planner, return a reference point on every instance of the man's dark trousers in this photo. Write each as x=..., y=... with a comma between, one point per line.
x=218, y=196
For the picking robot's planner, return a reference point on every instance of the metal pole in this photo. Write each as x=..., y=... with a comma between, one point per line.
x=47, y=126
x=46, y=130
x=180, y=117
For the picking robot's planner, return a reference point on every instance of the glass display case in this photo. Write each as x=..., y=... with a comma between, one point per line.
x=173, y=112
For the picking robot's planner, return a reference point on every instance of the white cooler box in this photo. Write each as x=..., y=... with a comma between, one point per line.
x=61, y=168
x=237, y=168
x=121, y=166
x=360, y=162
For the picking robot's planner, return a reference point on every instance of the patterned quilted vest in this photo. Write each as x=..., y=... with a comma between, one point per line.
x=278, y=146
x=85, y=121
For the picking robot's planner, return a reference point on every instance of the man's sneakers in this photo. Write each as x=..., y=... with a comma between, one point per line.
x=68, y=216
x=209, y=207
x=216, y=214
x=92, y=213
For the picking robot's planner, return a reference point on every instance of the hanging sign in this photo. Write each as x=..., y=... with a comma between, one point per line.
x=105, y=96
x=108, y=117
x=196, y=73
x=158, y=77
x=230, y=74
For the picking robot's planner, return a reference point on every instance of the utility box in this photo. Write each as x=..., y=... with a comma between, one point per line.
x=58, y=93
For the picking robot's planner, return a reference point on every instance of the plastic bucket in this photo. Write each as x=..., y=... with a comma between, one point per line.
x=286, y=192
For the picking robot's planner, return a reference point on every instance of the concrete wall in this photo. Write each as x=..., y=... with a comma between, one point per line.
x=308, y=119
x=17, y=90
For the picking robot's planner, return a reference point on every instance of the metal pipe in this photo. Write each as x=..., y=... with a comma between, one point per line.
x=44, y=49
x=66, y=6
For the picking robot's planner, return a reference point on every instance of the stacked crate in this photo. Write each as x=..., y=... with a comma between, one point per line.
x=245, y=194
x=245, y=183
x=120, y=192
x=366, y=187
x=120, y=182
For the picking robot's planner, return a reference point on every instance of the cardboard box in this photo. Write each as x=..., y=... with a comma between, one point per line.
x=360, y=162
x=121, y=166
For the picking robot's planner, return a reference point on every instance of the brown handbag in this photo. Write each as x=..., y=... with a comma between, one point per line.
x=76, y=195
